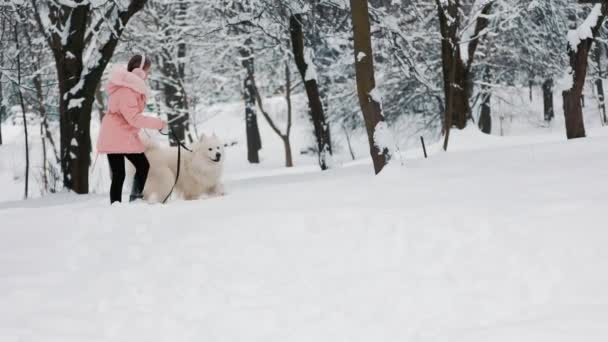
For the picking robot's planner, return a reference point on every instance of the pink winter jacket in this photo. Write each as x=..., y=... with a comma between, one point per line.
x=119, y=132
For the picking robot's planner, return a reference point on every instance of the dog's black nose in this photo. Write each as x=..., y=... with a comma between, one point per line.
x=218, y=155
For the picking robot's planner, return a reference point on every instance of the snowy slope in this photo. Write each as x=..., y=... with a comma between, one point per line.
x=506, y=243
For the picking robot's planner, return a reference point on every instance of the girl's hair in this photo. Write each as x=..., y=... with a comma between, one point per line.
x=135, y=62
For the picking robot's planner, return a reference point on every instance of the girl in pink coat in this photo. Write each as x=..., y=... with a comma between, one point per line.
x=119, y=132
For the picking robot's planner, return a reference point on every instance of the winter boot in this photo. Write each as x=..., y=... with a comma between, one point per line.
x=136, y=191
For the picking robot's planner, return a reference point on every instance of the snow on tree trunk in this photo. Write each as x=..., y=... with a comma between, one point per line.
x=580, y=41
x=254, y=141
x=307, y=70
x=371, y=107
x=82, y=47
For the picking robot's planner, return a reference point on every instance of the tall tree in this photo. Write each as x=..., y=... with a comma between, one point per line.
x=485, y=115
x=304, y=63
x=173, y=20
x=530, y=46
x=37, y=57
x=284, y=136
x=254, y=141
x=580, y=42
x=548, y=112
x=369, y=99
x=2, y=100
x=19, y=92
x=599, y=82
x=458, y=49
x=82, y=36
x=2, y=106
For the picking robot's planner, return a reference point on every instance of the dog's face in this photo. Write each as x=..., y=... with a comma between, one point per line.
x=211, y=149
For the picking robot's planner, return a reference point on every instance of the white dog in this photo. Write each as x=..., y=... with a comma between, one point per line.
x=200, y=170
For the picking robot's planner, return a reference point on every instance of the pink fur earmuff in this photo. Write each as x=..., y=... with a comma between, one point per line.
x=140, y=70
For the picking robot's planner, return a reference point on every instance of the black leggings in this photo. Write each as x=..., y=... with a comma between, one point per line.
x=117, y=166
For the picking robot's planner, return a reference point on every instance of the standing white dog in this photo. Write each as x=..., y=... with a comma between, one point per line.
x=200, y=170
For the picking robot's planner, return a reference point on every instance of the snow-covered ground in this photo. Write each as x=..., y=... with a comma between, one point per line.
x=500, y=239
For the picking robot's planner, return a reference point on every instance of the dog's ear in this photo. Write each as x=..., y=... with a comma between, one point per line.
x=214, y=136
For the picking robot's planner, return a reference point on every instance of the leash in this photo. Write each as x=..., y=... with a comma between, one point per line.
x=180, y=145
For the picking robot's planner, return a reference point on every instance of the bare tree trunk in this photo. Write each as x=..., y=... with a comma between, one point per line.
x=453, y=69
x=43, y=126
x=75, y=140
x=350, y=147
x=530, y=85
x=599, y=83
x=23, y=112
x=449, y=91
x=273, y=126
x=485, y=116
x=37, y=82
x=254, y=141
x=317, y=114
x=45, y=134
x=176, y=105
x=573, y=112
x=285, y=137
x=75, y=102
x=176, y=101
x=288, y=155
x=366, y=84
x=548, y=99
x=575, y=127
x=45, y=180
x=2, y=108
x=461, y=93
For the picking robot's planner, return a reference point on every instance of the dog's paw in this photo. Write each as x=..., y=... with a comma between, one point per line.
x=216, y=194
x=218, y=191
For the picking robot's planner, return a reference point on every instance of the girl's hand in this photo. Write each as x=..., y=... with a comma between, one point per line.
x=165, y=128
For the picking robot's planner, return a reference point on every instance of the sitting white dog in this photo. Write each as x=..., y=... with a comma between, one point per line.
x=200, y=170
